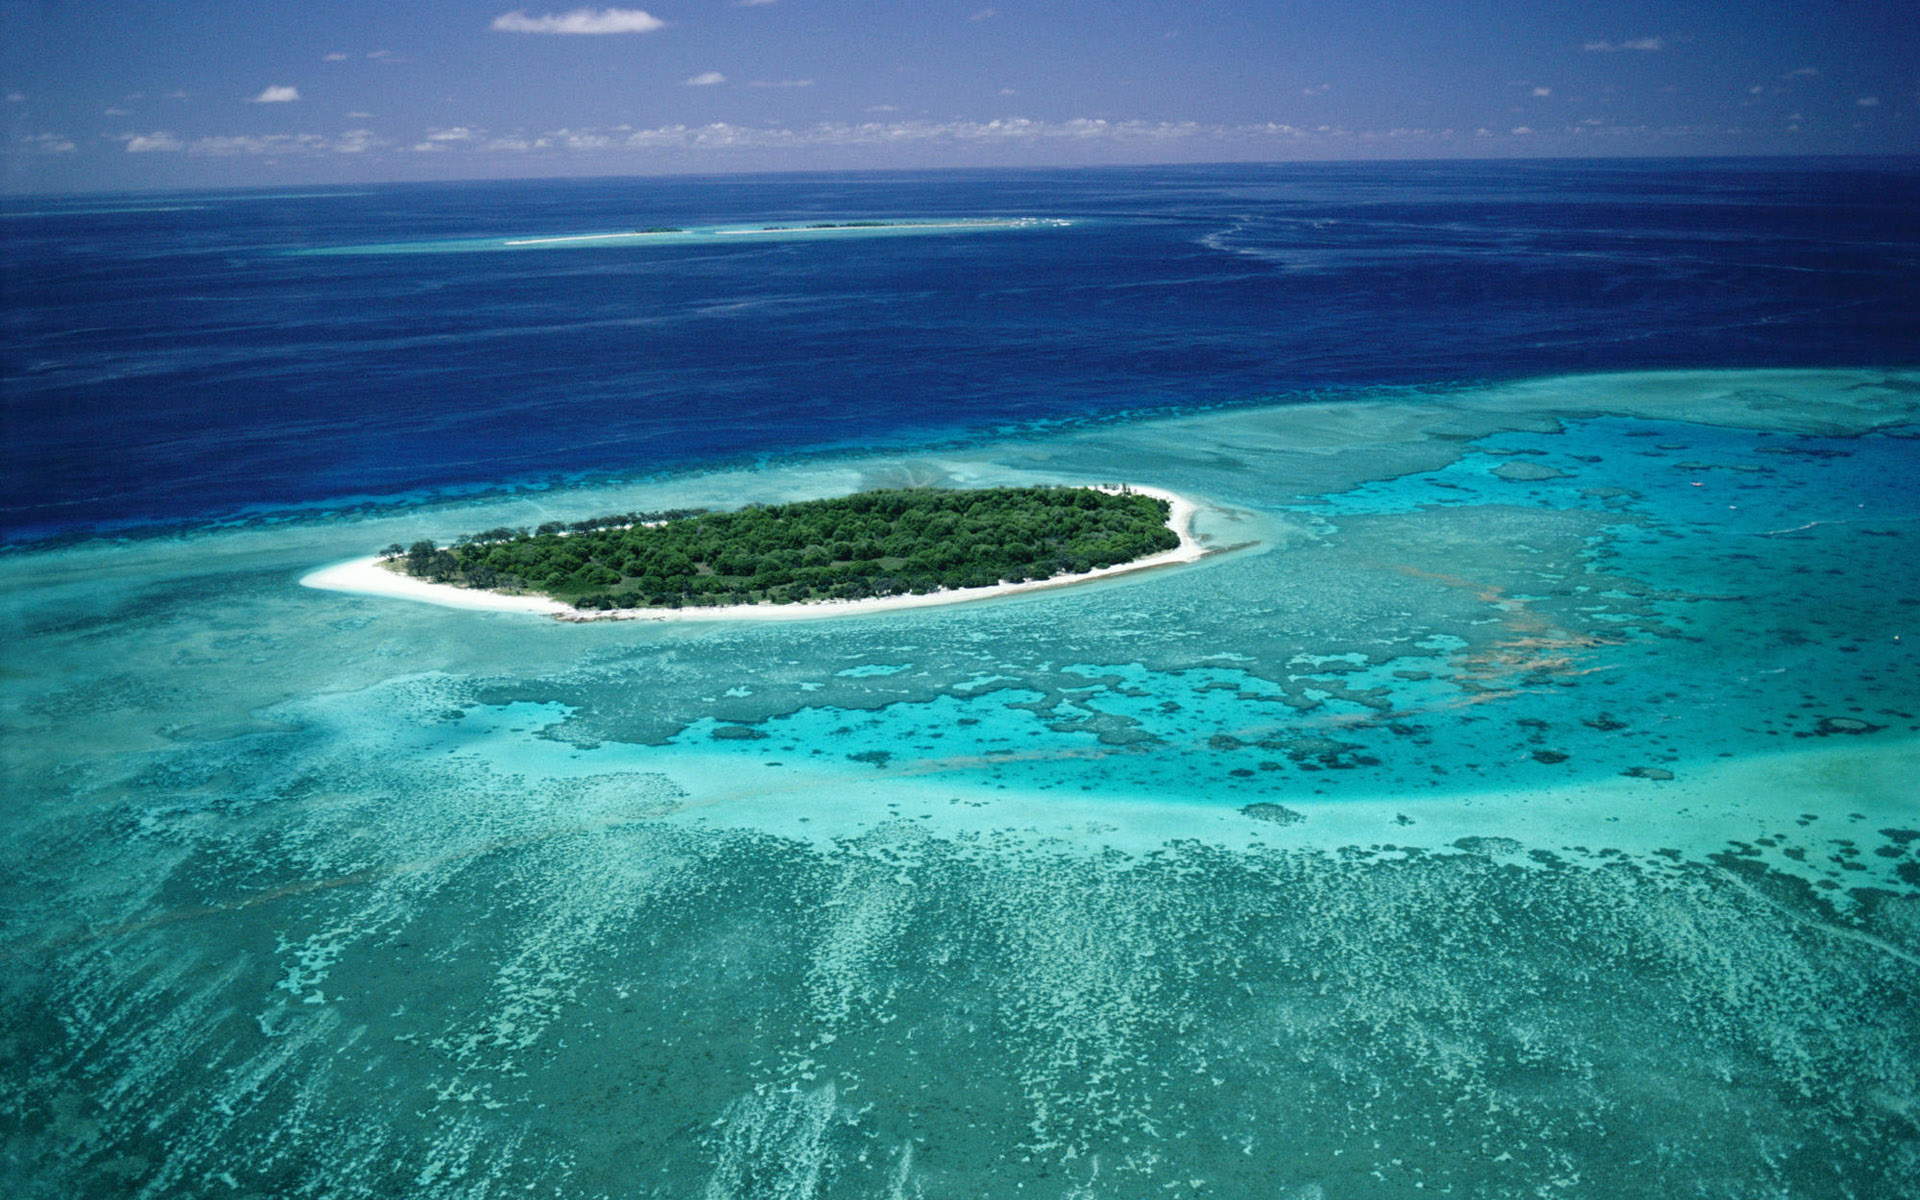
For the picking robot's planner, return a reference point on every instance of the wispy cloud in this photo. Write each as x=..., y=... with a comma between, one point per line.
x=354, y=141
x=781, y=83
x=753, y=3
x=984, y=14
x=277, y=94
x=45, y=143
x=336, y=56
x=459, y=133
x=151, y=143
x=580, y=20
x=119, y=112
x=16, y=97
x=1543, y=91
x=1647, y=44
x=1318, y=89
x=1802, y=73
x=705, y=79
x=1868, y=102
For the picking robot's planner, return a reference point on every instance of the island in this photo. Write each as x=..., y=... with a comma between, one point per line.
x=891, y=548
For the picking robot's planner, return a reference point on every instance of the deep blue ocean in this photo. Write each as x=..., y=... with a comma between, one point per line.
x=179, y=357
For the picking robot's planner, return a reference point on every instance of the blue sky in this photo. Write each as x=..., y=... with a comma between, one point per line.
x=113, y=94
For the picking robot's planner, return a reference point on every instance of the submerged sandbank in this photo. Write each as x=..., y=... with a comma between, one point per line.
x=369, y=577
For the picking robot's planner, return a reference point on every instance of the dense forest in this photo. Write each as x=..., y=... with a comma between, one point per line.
x=879, y=543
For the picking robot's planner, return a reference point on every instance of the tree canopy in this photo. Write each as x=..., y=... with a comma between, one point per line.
x=877, y=543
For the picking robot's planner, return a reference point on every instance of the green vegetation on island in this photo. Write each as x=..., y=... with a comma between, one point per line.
x=879, y=543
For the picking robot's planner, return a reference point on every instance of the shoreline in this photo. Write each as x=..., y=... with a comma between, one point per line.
x=366, y=577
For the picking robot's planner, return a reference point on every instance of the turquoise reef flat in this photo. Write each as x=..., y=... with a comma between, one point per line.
x=1525, y=809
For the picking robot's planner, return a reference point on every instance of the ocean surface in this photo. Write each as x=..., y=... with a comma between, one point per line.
x=1519, y=803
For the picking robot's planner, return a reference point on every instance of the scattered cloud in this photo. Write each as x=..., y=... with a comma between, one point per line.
x=276, y=94
x=1009, y=91
x=883, y=108
x=359, y=116
x=1318, y=89
x=1802, y=73
x=781, y=83
x=151, y=143
x=1648, y=44
x=705, y=79
x=45, y=143
x=119, y=112
x=753, y=3
x=177, y=94
x=354, y=141
x=1543, y=91
x=336, y=56
x=580, y=20
x=459, y=133
x=16, y=97
x=1521, y=130
x=1868, y=102
x=984, y=14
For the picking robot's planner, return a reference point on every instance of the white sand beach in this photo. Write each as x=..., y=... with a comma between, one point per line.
x=368, y=577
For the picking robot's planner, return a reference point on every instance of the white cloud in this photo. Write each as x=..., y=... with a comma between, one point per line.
x=151, y=143
x=705, y=79
x=459, y=133
x=47, y=143
x=1868, y=102
x=16, y=98
x=119, y=112
x=984, y=14
x=781, y=83
x=1645, y=43
x=381, y=54
x=336, y=56
x=753, y=3
x=1318, y=89
x=177, y=94
x=1009, y=91
x=276, y=143
x=1521, y=130
x=353, y=141
x=1801, y=73
x=359, y=116
x=1543, y=91
x=277, y=94
x=580, y=20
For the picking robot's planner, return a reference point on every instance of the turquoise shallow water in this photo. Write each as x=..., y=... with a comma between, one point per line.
x=1520, y=804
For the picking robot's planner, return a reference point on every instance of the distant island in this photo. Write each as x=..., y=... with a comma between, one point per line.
x=870, y=545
